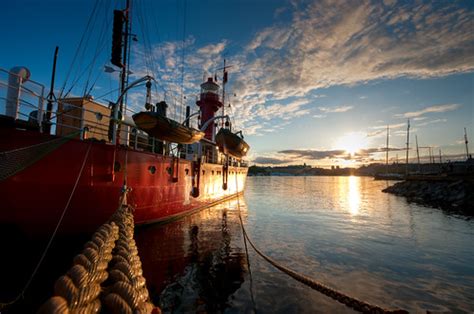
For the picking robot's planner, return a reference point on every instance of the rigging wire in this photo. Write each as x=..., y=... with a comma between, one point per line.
x=183, y=54
x=127, y=62
x=99, y=48
x=79, y=47
x=160, y=47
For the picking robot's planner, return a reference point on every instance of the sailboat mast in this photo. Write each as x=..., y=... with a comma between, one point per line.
x=386, y=152
x=408, y=146
x=466, y=142
x=417, y=152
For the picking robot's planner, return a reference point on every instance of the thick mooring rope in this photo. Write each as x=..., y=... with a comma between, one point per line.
x=78, y=291
x=126, y=292
x=107, y=275
x=353, y=303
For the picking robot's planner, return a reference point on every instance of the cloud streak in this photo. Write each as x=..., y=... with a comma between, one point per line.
x=335, y=109
x=431, y=109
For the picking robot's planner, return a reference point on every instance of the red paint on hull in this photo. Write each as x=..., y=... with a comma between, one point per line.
x=34, y=198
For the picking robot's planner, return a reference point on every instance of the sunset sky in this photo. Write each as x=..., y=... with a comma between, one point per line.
x=314, y=81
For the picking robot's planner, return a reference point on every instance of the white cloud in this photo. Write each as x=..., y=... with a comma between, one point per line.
x=326, y=43
x=431, y=109
x=319, y=116
x=212, y=49
x=431, y=122
x=358, y=42
x=335, y=109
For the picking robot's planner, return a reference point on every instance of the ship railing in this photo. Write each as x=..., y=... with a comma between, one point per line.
x=21, y=101
x=27, y=109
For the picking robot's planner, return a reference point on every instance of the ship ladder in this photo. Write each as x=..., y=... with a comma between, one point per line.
x=174, y=168
x=225, y=173
x=196, y=177
x=351, y=302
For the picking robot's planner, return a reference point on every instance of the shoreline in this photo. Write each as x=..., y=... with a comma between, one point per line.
x=452, y=196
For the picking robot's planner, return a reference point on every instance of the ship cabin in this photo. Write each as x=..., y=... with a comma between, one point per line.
x=24, y=105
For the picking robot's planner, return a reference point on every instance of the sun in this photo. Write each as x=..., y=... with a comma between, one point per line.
x=352, y=142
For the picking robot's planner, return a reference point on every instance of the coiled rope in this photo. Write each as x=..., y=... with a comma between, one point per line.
x=127, y=292
x=353, y=303
x=78, y=291
x=107, y=275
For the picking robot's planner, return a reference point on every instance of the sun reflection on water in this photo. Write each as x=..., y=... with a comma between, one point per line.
x=353, y=196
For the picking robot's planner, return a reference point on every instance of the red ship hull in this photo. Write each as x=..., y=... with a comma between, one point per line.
x=35, y=198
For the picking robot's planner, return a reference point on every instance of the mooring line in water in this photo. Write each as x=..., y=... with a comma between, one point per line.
x=353, y=303
x=53, y=235
x=248, y=260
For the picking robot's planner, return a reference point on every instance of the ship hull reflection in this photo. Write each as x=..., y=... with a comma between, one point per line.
x=197, y=263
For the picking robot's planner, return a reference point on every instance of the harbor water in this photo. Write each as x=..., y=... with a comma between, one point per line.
x=342, y=231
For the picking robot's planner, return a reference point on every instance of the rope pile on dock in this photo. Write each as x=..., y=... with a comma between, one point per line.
x=107, y=275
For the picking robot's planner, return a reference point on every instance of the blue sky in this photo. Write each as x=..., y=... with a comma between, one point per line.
x=313, y=80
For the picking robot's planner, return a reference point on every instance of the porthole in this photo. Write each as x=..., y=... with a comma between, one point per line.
x=203, y=172
x=212, y=172
x=152, y=169
x=168, y=169
x=186, y=171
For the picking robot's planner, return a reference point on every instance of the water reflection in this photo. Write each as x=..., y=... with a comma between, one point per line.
x=195, y=264
x=389, y=252
x=394, y=253
x=353, y=197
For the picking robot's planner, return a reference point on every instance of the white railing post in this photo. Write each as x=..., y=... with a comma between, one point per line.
x=20, y=83
x=83, y=130
x=41, y=110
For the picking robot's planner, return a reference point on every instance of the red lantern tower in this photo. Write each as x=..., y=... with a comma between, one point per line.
x=209, y=103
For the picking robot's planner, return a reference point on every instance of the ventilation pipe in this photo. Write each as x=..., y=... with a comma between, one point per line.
x=17, y=76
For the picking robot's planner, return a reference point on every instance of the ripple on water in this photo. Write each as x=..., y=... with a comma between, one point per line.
x=342, y=231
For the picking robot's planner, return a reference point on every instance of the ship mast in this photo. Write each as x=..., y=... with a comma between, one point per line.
x=408, y=146
x=417, y=152
x=125, y=63
x=386, y=153
x=121, y=33
x=466, y=142
x=224, y=81
x=51, y=97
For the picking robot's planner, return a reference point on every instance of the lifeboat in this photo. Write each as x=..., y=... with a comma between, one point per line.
x=231, y=143
x=166, y=129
